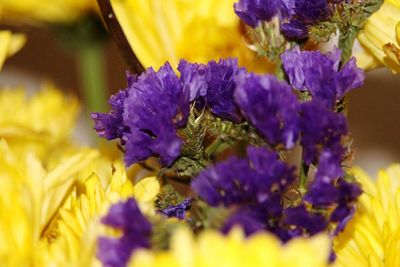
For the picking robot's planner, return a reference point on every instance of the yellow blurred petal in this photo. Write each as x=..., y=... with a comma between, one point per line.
x=372, y=237
x=10, y=44
x=211, y=248
x=380, y=37
x=195, y=30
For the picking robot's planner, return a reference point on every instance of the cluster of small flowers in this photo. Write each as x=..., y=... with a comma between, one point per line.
x=149, y=119
x=294, y=16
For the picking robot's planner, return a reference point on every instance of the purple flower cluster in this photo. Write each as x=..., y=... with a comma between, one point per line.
x=295, y=15
x=254, y=186
x=136, y=233
x=271, y=106
x=320, y=75
x=179, y=210
x=146, y=116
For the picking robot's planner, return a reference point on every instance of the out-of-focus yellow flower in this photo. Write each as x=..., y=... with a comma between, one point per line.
x=30, y=197
x=34, y=11
x=380, y=38
x=214, y=249
x=372, y=238
x=42, y=123
x=195, y=30
x=10, y=44
x=72, y=240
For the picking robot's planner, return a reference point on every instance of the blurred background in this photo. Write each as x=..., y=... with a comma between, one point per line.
x=374, y=110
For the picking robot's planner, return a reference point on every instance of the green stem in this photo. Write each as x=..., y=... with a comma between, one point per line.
x=91, y=68
x=303, y=179
x=215, y=146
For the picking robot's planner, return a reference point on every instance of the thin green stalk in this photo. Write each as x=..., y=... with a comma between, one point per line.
x=303, y=179
x=92, y=74
x=215, y=146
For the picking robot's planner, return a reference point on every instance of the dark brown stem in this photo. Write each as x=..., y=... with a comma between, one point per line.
x=119, y=37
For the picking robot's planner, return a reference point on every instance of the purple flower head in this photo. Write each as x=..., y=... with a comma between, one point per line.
x=319, y=74
x=136, y=233
x=301, y=218
x=244, y=182
x=271, y=106
x=220, y=89
x=253, y=11
x=110, y=126
x=179, y=210
x=294, y=30
x=193, y=78
x=251, y=219
x=157, y=104
x=322, y=130
x=311, y=11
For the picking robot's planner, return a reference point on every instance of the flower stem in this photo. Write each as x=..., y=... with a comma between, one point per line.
x=92, y=74
x=303, y=179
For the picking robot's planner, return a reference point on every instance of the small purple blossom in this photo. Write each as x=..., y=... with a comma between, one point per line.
x=193, y=78
x=156, y=106
x=136, y=232
x=295, y=15
x=319, y=74
x=253, y=11
x=221, y=85
x=244, y=182
x=271, y=106
x=301, y=218
x=179, y=210
x=321, y=129
x=110, y=126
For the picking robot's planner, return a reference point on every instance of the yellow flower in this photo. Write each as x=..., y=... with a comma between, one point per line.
x=214, y=249
x=30, y=197
x=42, y=123
x=195, y=30
x=380, y=39
x=10, y=44
x=372, y=238
x=34, y=11
x=73, y=238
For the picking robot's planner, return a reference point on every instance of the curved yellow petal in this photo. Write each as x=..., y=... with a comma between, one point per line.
x=211, y=248
x=380, y=37
x=195, y=30
x=372, y=237
x=10, y=44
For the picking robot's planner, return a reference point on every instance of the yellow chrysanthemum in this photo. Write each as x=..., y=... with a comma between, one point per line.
x=196, y=30
x=380, y=38
x=42, y=123
x=372, y=238
x=72, y=241
x=212, y=248
x=30, y=197
x=9, y=44
x=34, y=11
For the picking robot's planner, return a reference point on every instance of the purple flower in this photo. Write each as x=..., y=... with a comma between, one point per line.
x=244, y=182
x=253, y=11
x=110, y=126
x=294, y=30
x=179, y=210
x=271, y=106
x=300, y=217
x=220, y=89
x=193, y=78
x=296, y=14
x=319, y=74
x=311, y=11
x=157, y=104
x=321, y=130
x=251, y=219
x=136, y=233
